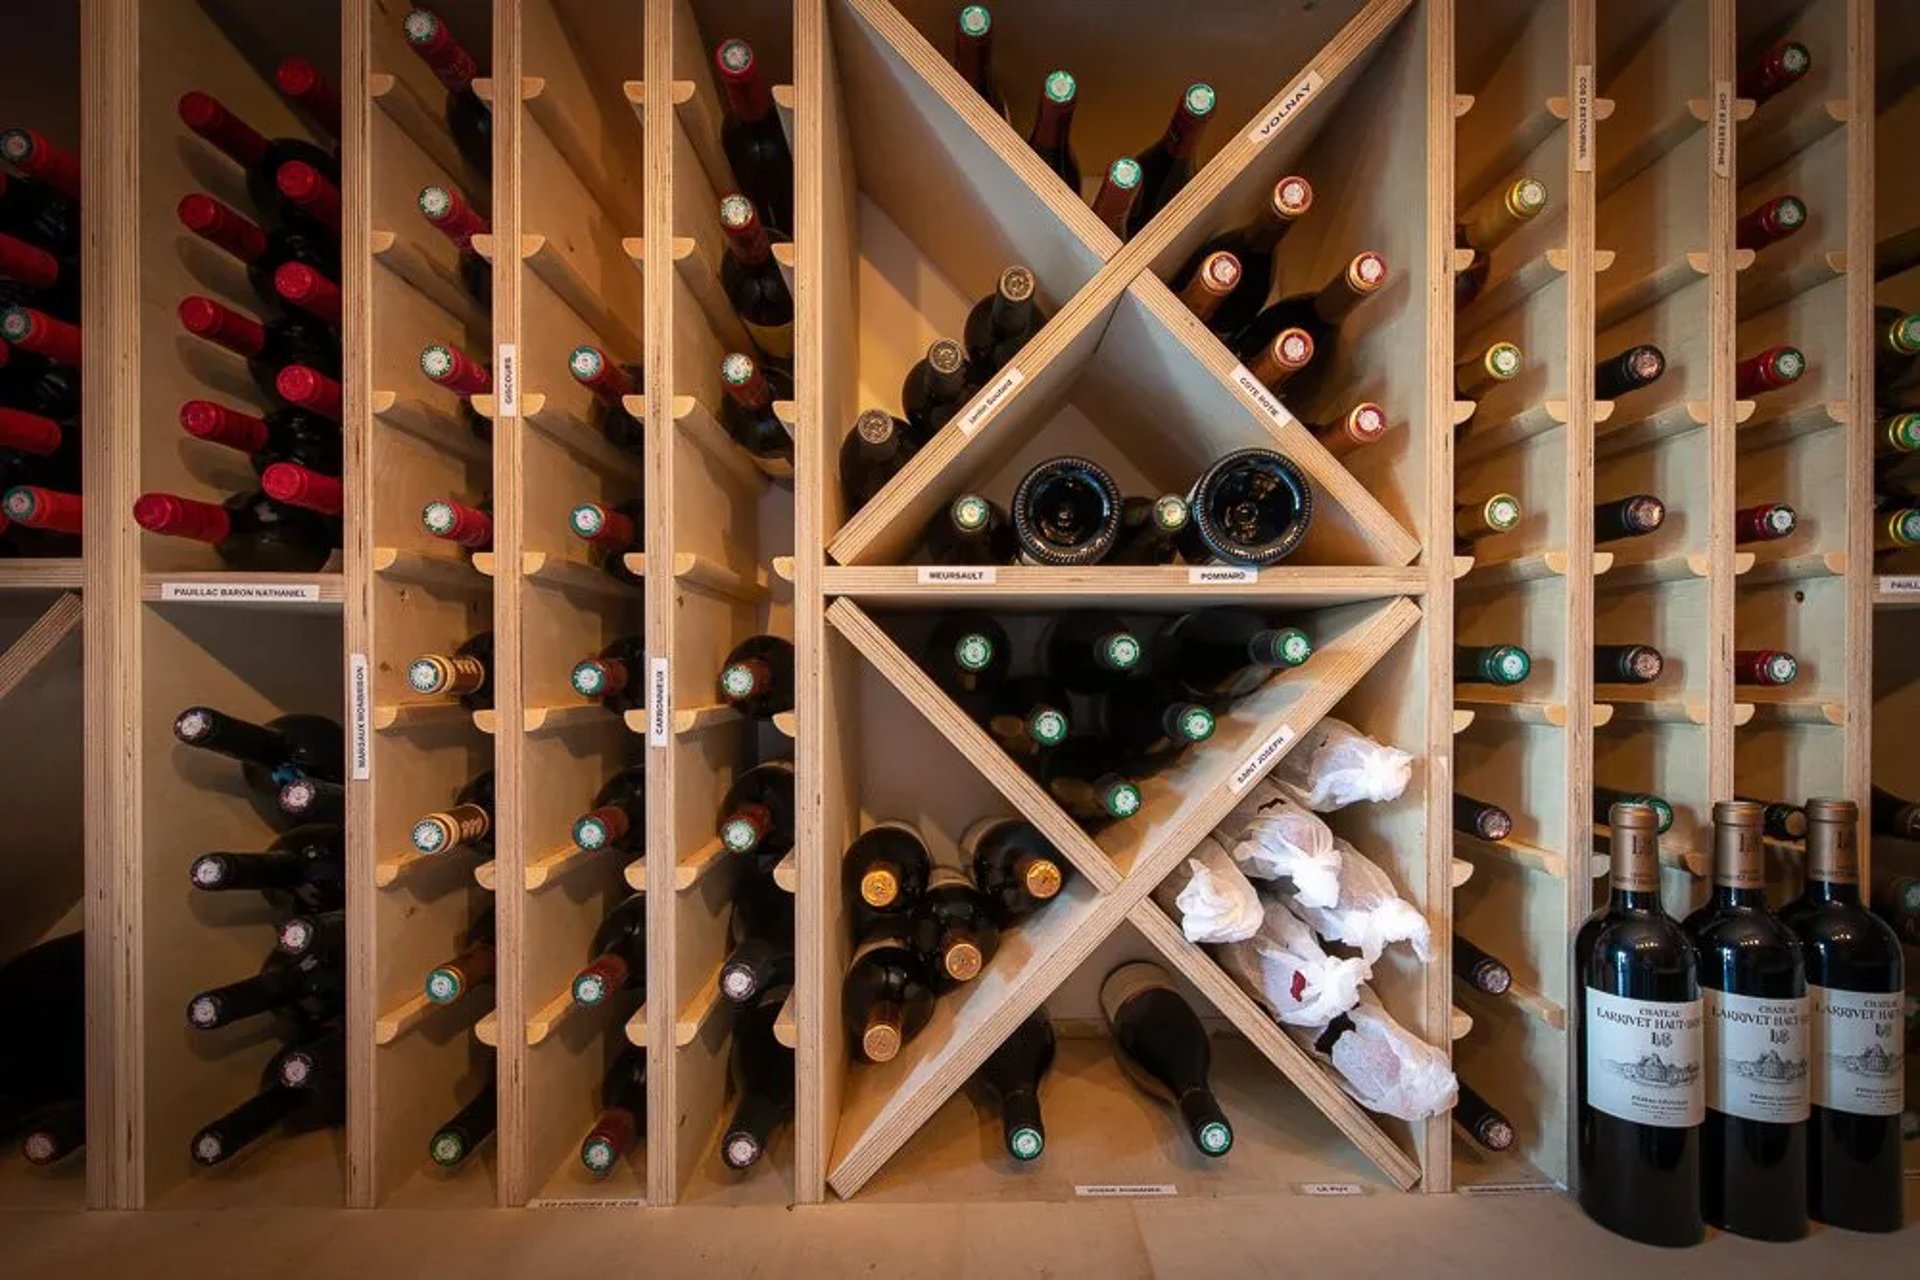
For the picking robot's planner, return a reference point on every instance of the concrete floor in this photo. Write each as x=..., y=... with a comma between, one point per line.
x=1388, y=1237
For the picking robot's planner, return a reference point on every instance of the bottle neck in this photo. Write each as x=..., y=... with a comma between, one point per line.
x=1052, y=124
x=1836, y=892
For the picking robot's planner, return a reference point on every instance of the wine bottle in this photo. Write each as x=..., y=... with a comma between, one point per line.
x=268, y=346
x=1027, y=716
x=301, y=83
x=872, y=454
x=309, y=800
x=1001, y=323
x=756, y=815
x=309, y=990
x=1487, y=224
x=971, y=530
x=468, y=118
x=611, y=385
x=1162, y=1047
x=35, y=212
x=469, y=528
x=1630, y=517
x=1152, y=726
x=935, y=388
x=1780, y=820
x=748, y=413
x=973, y=54
x=271, y=754
x=298, y=285
x=1113, y=203
x=1481, y=372
x=752, y=137
x=319, y=933
x=1150, y=530
x=1483, y=518
x=1217, y=656
x=1253, y=248
x=1896, y=436
x=1052, y=135
x=58, y=1131
x=1892, y=815
x=1503, y=665
x=968, y=654
x=43, y=1055
x=56, y=519
x=284, y=435
x=618, y=818
x=616, y=676
x=1015, y=868
x=885, y=869
x=1275, y=365
x=1896, y=900
x=1010, y=1079
x=1066, y=512
x=1167, y=166
x=952, y=929
x=1479, y=969
x=1776, y=367
x=1627, y=663
x=617, y=956
x=1778, y=69
x=612, y=531
x=1636, y=367
x=454, y=218
x=1897, y=343
x=44, y=161
x=292, y=485
x=37, y=277
x=622, y=1120
x=310, y=191
x=1896, y=530
x=1486, y=1126
x=1086, y=777
x=472, y=966
x=762, y=1070
x=762, y=931
x=1321, y=314
x=1764, y=667
x=250, y=532
x=263, y=250
x=1753, y=1157
x=1768, y=225
x=1251, y=508
x=447, y=366
x=1481, y=819
x=311, y=390
x=469, y=1128
x=1641, y=1094
x=466, y=824
x=1092, y=651
x=757, y=677
x=1210, y=286
x=754, y=286
x=1855, y=982
x=1767, y=522
x=48, y=337
x=303, y=868
x=466, y=673
x=276, y=1104
x=261, y=158
x=886, y=998
x=1605, y=798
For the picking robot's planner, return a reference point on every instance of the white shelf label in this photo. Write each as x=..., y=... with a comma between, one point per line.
x=1109, y=1190
x=658, y=695
x=1256, y=391
x=1213, y=575
x=1295, y=98
x=506, y=380
x=1263, y=755
x=971, y=575
x=1583, y=117
x=360, y=706
x=242, y=592
x=1507, y=1188
x=1722, y=140
x=1329, y=1188
x=988, y=402
x=1897, y=584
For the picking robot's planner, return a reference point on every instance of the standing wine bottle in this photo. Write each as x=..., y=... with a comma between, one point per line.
x=263, y=251
x=1251, y=508
x=271, y=754
x=971, y=530
x=260, y=157
x=617, y=955
x=1897, y=343
x=1162, y=1047
x=1605, y=798
x=1092, y=651
x=935, y=388
x=622, y=1120
x=756, y=814
x=611, y=385
x=1028, y=716
x=466, y=673
x=1253, y=247
x=1855, y=981
x=748, y=413
x=968, y=655
x=1152, y=726
x=755, y=288
x=952, y=929
x=1113, y=203
x=304, y=868
x=762, y=1070
x=1764, y=667
x=1781, y=67
x=1015, y=867
x=468, y=118
x=885, y=869
x=612, y=532
x=752, y=137
x=1150, y=530
x=1627, y=663
x=616, y=676
x=455, y=219
x=1634, y=516
x=1776, y=367
x=1502, y=665
x=618, y=818
x=1636, y=367
x=872, y=454
x=1769, y=224
x=886, y=998
x=1051, y=138
x=1479, y=818
x=1167, y=166
x=1767, y=522
x=762, y=931
x=468, y=527
x=1217, y=656
x=1642, y=1098
x=1066, y=512
x=472, y=966
x=1487, y=224
x=1321, y=314
x=757, y=677
x=469, y=1128
x=1484, y=518
x=973, y=55
x=1479, y=969
x=1001, y=323
x=1478, y=373
x=285, y=435
x=1486, y=1126
x=1892, y=815
x=466, y=824
x=1753, y=986
x=274, y=1105
x=309, y=990
x=1086, y=777
x=250, y=532
x=1010, y=1079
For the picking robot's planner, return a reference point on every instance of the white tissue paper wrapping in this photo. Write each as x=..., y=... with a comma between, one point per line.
x=1284, y=967
x=1385, y=1067
x=1336, y=765
x=1273, y=838
x=1370, y=913
x=1212, y=900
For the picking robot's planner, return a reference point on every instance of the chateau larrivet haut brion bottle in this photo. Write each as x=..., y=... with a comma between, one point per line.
x=1161, y=1045
x=952, y=929
x=611, y=383
x=1479, y=969
x=472, y=966
x=618, y=816
x=1481, y=819
x=1480, y=372
x=1167, y=166
x=465, y=824
x=752, y=137
x=1769, y=370
x=1253, y=247
x=1855, y=985
x=886, y=998
x=1771, y=223
x=616, y=676
x=1627, y=663
x=748, y=414
x=470, y=1127
x=1780, y=68
x=468, y=118
x=1753, y=988
x=762, y=1071
x=617, y=955
x=754, y=286
x=1486, y=1126
x=1010, y=1080
x=1638, y=366
x=1015, y=867
x=1502, y=665
x=1634, y=516
x=1250, y=508
x=622, y=1120
x=1066, y=512
x=457, y=220
x=1642, y=1051
x=973, y=54
x=1002, y=322
x=466, y=673
x=1487, y=224
x=1322, y=314
x=1113, y=203
x=1052, y=135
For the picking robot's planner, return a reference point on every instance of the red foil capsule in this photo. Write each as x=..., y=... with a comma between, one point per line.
x=205, y=318
x=1772, y=667
x=29, y=151
x=29, y=432
x=216, y=423
x=203, y=114
x=33, y=507
x=302, y=82
x=1765, y=523
x=307, y=289
x=221, y=225
x=40, y=333
x=307, y=187
x=178, y=517
x=299, y=486
x=310, y=389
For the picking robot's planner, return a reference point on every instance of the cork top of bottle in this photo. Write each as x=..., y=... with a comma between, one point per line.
x=879, y=887
x=1292, y=196
x=945, y=356
x=1042, y=878
x=875, y=426
x=962, y=962
x=880, y=1041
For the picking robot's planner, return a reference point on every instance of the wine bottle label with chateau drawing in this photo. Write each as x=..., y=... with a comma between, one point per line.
x=1645, y=1059
x=1756, y=1056
x=1856, y=1048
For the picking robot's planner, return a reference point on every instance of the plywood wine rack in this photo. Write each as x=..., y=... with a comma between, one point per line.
x=911, y=194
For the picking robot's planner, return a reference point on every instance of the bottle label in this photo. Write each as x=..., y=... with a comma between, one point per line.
x=1646, y=1059
x=957, y=575
x=1756, y=1056
x=1856, y=1050
x=1297, y=96
x=988, y=401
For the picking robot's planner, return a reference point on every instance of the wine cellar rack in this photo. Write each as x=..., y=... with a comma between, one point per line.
x=911, y=194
